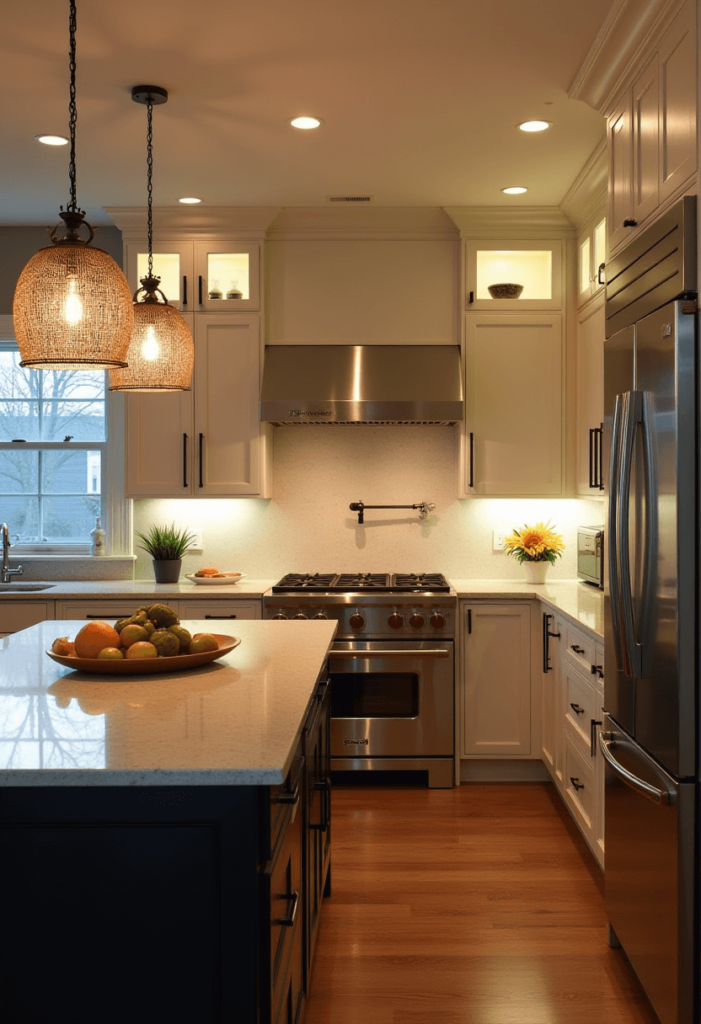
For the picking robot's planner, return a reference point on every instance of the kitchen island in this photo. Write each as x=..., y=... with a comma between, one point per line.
x=154, y=830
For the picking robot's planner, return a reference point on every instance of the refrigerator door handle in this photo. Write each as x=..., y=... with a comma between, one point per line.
x=651, y=528
x=609, y=740
x=614, y=582
x=632, y=406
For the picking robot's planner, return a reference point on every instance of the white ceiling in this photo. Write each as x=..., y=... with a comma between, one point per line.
x=419, y=98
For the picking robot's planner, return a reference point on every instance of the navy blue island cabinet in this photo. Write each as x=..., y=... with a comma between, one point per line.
x=166, y=904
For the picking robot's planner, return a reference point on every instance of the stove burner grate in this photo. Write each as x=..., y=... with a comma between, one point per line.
x=364, y=582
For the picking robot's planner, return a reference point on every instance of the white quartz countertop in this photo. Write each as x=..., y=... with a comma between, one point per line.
x=60, y=590
x=577, y=600
x=235, y=721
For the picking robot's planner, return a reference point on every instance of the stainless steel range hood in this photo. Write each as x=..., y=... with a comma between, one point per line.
x=334, y=384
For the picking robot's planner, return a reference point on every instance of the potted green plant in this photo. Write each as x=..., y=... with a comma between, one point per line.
x=166, y=545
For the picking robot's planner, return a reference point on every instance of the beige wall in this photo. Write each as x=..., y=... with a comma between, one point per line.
x=308, y=527
x=18, y=245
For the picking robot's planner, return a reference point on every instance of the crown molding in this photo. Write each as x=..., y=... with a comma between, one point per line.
x=587, y=195
x=619, y=49
x=302, y=223
x=172, y=222
x=500, y=222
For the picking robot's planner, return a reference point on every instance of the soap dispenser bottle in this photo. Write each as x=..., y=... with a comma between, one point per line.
x=98, y=539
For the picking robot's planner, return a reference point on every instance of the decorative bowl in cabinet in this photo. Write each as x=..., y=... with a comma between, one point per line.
x=505, y=291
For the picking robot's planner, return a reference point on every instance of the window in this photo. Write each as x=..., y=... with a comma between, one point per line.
x=53, y=442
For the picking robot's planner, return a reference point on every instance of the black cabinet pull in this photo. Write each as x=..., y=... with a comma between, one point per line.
x=201, y=446
x=576, y=783
x=184, y=290
x=471, y=299
x=547, y=667
x=577, y=650
x=472, y=460
x=576, y=708
x=220, y=616
x=184, y=460
x=596, y=451
x=601, y=456
x=293, y=897
x=289, y=798
x=469, y=620
x=592, y=736
x=105, y=615
x=598, y=670
x=630, y=222
x=602, y=266
x=200, y=288
x=323, y=787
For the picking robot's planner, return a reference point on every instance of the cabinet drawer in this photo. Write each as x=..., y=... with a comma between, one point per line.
x=285, y=802
x=580, y=704
x=221, y=610
x=22, y=614
x=580, y=648
x=580, y=790
x=286, y=899
x=99, y=609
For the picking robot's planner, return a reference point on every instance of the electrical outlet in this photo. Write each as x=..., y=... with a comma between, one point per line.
x=498, y=540
x=197, y=534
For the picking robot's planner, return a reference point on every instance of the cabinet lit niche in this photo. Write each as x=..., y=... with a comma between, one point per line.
x=228, y=275
x=166, y=265
x=536, y=267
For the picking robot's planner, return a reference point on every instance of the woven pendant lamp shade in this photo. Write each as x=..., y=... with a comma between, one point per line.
x=161, y=353
x=72, y=310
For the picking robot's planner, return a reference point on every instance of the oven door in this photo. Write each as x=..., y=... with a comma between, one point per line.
x=392, y=699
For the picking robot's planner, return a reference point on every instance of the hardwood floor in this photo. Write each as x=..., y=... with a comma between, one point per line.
x=477, y=905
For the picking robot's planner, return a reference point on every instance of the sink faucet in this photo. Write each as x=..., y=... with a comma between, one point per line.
x=7, y=572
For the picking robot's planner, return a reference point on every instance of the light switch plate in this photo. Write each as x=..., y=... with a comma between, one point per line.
x=197, y=534
x=498, y=540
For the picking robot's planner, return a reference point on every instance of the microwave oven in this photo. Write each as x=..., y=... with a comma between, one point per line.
x=590, y=555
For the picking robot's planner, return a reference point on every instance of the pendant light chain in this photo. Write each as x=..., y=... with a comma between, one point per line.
x=149, y=175
x=72, y=109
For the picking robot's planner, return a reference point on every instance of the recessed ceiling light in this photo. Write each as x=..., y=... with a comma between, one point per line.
x=305, y=123
x=514, y=190
x=52, y=140
x=534, y=126
x=189, y=200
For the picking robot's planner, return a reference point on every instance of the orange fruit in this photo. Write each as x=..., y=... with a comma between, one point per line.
x=111, y=652
x=91, y=639
x=202, y=642
x=142, y=649
x=131, y=634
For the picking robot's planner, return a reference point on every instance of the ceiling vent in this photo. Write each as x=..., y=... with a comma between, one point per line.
x=350, y=199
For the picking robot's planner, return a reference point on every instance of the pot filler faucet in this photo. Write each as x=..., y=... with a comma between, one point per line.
x=360, y=506
x=7, y=572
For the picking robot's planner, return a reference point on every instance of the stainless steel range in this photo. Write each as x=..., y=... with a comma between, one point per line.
x=391, y=666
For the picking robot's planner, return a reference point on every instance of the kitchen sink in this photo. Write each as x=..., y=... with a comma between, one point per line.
x=5, y=587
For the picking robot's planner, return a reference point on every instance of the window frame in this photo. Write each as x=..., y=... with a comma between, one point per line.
x=117, y=510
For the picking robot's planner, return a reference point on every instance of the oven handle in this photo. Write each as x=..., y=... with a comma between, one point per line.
x=430, y=652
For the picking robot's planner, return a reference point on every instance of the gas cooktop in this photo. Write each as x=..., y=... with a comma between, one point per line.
x=352, y=582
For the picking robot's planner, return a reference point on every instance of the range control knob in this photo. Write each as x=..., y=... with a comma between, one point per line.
x=395, y=621
x=416, y=620
x=437, y=620
x=356, y=621
x=321, y=615
x=300, y=615
x=280, y=615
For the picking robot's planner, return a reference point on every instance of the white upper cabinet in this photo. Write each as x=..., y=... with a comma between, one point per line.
x=536, y=267
x=591, y=260
x=218, y=276
x=652, y=131
x=513, y=405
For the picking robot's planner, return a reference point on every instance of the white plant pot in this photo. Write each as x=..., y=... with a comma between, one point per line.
x=535, y=571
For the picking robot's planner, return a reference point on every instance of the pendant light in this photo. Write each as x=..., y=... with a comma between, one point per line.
x=72, y=305
x=161, y=352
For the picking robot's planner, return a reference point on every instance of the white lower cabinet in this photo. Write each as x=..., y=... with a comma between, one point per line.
x=220, y=610
x=496, y=706
x=99, y=608
x=23, y=614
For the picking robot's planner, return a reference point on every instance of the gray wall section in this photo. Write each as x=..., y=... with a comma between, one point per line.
x=18, y=245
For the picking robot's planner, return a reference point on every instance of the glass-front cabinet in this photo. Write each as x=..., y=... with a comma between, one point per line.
x=591, y=262
x=513, y=275
x=199, y=277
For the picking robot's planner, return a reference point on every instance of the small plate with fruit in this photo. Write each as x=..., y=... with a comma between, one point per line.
x=212, y=577
x=150, y=640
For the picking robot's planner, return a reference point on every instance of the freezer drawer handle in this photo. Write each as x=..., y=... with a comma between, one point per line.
x=576, y=783
x=576, y=708
x=608, y=740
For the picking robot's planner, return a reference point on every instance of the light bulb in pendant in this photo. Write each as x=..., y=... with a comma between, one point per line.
x=74, y=305
x=150, y=350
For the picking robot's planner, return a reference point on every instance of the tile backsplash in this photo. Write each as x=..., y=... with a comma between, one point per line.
x=308, y=527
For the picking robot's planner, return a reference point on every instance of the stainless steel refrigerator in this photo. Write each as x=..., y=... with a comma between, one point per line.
x=650, y=733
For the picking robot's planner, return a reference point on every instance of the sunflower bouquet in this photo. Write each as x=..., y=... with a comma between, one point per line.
x=535, y=544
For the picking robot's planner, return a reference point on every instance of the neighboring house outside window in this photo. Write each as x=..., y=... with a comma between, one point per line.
x=61, y=458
